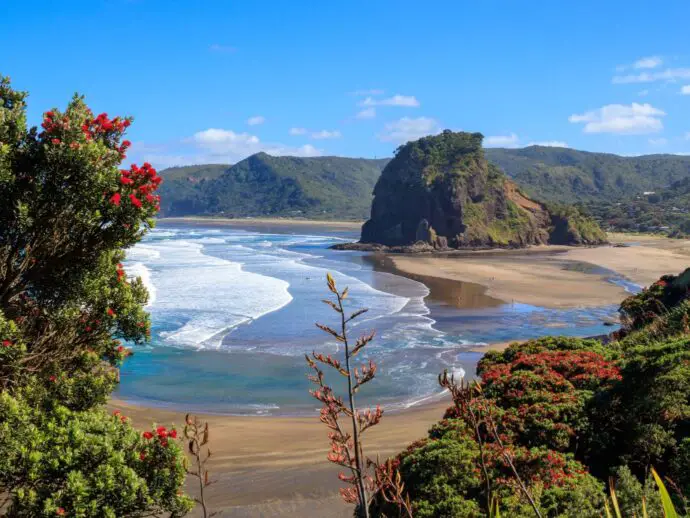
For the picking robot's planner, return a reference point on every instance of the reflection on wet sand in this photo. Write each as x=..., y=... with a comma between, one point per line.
x=458, y=294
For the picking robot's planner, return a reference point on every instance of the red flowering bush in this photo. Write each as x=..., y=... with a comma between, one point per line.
x=542, y=395
x=444, y=476
x=68, y=212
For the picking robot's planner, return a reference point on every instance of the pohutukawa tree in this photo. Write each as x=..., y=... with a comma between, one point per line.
x=67, y=213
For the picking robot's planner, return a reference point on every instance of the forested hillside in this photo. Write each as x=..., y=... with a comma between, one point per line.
x=265, y=185
x=568, y=175
x=611, y=187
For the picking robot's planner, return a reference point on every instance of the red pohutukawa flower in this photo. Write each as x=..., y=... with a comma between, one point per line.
x=147, y=435
x=6, y=343
x=120, y=272
x=115, y=199
x=110, y=312
x=135, y=201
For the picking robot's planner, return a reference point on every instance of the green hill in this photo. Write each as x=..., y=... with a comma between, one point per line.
x=664, y=210
x=263, y=185
x=611, y=187
x=568, y=175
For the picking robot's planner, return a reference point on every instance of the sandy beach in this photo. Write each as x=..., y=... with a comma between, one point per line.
x=555, y=276
x=276, y=466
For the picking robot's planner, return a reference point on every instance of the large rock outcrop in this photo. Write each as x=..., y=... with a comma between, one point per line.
x=440, y=190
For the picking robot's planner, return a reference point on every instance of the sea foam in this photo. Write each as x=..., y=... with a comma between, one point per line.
x=206, y=296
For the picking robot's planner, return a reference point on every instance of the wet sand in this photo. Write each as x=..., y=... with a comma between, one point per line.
x=276, y=466
x=556, y=277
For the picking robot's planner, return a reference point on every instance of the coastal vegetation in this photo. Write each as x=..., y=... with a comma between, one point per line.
x=629, y=194
x=68, y=212
x=551, y=421
x=365, y=477
x=665, y=210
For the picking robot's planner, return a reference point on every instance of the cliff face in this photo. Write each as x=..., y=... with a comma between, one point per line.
x=441, y=190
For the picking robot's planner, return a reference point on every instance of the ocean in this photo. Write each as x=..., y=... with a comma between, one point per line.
x=233, y=313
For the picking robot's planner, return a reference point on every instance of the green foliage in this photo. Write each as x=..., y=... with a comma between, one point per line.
x=441, y=478
x=571, y=225
x=631, y=494
x=658, y=304
x=88, y=463
x=66, y=216
x=265, y=185
x=610, y=187
x=568, y=175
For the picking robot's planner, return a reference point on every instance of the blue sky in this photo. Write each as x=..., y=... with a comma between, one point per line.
x=215, y=81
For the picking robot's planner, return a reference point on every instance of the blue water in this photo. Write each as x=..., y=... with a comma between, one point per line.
x=233, y=314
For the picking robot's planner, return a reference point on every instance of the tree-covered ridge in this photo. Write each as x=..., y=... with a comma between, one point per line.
x=611, y=187
x=568, y=175
x=664, y=210
x=441, y=190
x=265, y=185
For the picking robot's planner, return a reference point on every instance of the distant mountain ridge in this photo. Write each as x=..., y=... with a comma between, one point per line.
x=341, y=188
x=568, y=175
x=326, y=187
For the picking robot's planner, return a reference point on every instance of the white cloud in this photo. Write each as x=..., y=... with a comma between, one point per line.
x=648, y=62
x=366, y=113
x=511, y=140
x=670, y=74
x=222, y=145
x=549, y=143
x=214, y=146
x=685, y=90
x=298, y=131
x=409, y=101
x=224, y=49
x=256, y=120
x=658, y=141
x=372, y=91
x=326, y=134
x=687, y=136
x=406, y=129
x=636, y=119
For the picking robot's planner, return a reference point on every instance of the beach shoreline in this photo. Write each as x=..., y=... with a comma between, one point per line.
x=276, y=465
x=265, y=222
x=554, y=276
